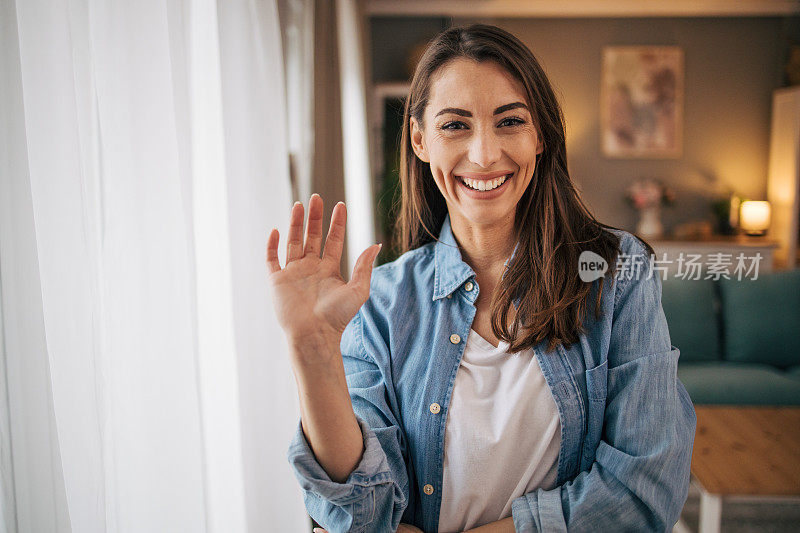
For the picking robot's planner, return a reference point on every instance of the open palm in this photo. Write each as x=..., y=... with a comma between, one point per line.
x=312, y=301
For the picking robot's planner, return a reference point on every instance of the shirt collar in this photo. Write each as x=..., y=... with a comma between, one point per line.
x=450, y=269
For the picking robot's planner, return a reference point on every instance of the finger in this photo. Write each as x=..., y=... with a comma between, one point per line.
x=362, y=272
x=334, y=242
x=294, y=244
x=320, y=530
x=273, y=264
x=314, y=226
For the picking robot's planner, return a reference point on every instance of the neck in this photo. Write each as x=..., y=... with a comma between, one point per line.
x=486, y=247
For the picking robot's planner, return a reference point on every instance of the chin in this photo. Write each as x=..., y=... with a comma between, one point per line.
x=487, y=215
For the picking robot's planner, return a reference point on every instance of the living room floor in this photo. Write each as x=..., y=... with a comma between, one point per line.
x=747, y=517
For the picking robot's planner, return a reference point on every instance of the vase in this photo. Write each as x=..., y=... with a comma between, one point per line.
x=649, y=226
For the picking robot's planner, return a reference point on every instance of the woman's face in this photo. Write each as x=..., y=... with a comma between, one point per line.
x=479, y=138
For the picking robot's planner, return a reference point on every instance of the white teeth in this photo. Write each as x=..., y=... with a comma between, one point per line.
x=484, y=185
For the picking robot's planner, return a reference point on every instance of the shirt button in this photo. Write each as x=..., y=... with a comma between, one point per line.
x=468, y=286
x=435, y=408
x=455, y=339
x=428, y=489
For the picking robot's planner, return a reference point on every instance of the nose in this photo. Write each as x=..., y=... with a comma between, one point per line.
x=484, y=148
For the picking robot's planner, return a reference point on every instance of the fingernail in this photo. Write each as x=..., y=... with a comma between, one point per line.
x=317, y=530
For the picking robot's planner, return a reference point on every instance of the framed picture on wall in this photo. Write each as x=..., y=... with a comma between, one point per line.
x=641, y=102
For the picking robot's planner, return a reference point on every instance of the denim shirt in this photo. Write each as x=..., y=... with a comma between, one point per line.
x=627, y=423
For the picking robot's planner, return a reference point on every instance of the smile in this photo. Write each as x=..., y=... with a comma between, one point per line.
x=483, y=185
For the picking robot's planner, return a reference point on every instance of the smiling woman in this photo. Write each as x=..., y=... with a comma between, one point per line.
x=481, y=107
x=466, y=385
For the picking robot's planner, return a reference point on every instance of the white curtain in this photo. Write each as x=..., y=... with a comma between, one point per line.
x=143, y=161
x=297, y=24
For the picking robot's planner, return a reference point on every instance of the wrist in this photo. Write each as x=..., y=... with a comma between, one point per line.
x=314, y=350
x=311, y=335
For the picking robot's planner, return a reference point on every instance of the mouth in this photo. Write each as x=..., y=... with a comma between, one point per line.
x=484, y=185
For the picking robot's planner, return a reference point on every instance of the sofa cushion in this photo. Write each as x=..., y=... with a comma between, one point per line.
x=738, y=384
x=761, y=319
x=691, y=309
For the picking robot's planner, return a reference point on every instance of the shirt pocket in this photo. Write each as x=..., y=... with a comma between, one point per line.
x=597, y=389
x=597, y=382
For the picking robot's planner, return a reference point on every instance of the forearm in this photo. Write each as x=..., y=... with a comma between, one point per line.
x=377, y=496
x=326, y=412
x=506, y=525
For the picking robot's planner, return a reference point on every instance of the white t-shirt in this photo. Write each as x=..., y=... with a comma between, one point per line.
x=502, y=435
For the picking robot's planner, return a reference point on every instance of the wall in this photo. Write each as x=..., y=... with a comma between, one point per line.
x=732, y=66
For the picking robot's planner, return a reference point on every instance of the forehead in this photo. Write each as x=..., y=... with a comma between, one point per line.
x=476, y=86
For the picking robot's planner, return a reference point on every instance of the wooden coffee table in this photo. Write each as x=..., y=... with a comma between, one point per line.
x=750, y=453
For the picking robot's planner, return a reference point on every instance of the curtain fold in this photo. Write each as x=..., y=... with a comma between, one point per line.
x=298, y=36
x=149, y=384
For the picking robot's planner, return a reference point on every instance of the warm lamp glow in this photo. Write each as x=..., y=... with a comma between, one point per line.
x=754, y=217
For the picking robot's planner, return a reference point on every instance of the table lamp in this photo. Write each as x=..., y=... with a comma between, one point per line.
x=754, y=217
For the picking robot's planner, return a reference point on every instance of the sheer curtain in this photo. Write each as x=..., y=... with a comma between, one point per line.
x=143, y=161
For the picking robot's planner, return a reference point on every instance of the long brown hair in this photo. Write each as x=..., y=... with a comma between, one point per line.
x=552, y=224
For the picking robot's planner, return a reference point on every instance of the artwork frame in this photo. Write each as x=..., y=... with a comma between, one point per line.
x=641, y=102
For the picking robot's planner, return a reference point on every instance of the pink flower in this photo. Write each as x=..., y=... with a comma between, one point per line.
x=647, y=193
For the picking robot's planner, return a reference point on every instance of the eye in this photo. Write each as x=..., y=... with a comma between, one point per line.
x=511, y=121
x=453, y=125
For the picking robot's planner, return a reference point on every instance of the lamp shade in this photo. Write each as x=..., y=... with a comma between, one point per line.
x=754, y=217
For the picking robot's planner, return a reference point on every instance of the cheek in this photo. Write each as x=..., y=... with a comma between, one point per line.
x=523, y=148
x=444, y=155
x=441, y=164
x=523, y=152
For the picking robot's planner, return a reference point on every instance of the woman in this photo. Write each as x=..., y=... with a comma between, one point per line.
x=482, y=380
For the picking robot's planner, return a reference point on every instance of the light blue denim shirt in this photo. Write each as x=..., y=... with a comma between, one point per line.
x=627, y=423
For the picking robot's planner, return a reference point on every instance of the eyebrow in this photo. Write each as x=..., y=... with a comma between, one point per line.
x=499, y=110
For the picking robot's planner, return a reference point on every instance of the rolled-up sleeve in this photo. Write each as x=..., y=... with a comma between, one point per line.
x=640, y=476
x=375, y=494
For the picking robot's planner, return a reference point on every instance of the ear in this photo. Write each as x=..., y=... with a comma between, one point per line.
x=417, y=141
x=540, y=145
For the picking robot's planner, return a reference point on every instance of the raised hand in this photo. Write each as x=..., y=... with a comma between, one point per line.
x=312, y=301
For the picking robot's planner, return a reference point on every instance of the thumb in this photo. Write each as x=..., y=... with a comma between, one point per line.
x=362, y=271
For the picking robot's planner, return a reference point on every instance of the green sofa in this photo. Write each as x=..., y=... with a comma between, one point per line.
x=739, y=341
